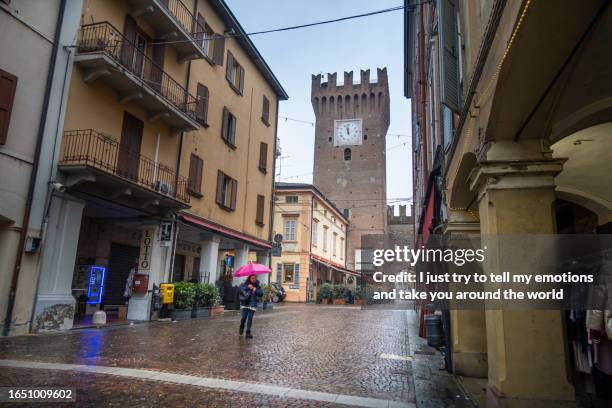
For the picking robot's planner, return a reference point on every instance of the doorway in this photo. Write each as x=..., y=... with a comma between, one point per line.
x=128, y=158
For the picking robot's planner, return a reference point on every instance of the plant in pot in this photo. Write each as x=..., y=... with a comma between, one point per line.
x=269, y=292
x=206, y=298
x=339, y=294
x=184, y=297
x=326, y=293
x=358, y=296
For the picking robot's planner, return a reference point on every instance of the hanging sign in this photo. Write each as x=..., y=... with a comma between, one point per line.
x=146, y=246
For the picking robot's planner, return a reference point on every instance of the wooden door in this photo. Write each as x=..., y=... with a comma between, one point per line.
x=128, y=158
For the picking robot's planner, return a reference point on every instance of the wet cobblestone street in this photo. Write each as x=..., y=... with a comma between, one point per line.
x=337, y=350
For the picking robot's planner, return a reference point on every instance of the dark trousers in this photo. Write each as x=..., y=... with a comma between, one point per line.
x=247, y=316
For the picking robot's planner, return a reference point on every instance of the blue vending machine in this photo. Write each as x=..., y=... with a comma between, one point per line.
x=95, y=289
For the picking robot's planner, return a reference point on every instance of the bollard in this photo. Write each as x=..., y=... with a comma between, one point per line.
x=99, y=318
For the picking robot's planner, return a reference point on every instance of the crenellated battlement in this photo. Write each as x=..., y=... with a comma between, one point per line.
x=402, y=218
x=331, y=85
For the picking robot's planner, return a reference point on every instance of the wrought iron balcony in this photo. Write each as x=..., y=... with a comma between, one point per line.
x=172, y=21
x=104, y=53
x=97, y=162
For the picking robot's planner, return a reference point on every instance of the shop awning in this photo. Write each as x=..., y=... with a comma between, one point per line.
x=428, y=218
x=334, y=266
x=229, y=233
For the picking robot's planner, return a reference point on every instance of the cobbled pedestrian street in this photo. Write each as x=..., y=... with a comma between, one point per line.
x=323, y=350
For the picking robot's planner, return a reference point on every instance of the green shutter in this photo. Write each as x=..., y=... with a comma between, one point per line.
x=296, y=274
x=449, y=54
x=279, y=273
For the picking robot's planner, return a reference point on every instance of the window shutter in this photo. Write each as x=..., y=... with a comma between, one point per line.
x=241, y=79
x=232, y=130
x=447, y=126
x=157, y=56
x=129, y=31
x=263, y=156
x=224, y=124
x=230, y=64
x=200, y=29
x=259, y=218
x=265, y=110
x=219, y=195
x=219, y=49
x=8, y=86
x=449, y=54
x=202, y=104
x=234, y=191
x=279, y=273
x=196, y=165
x=296, y=274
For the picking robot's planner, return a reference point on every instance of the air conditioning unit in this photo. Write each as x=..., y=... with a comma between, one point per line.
x=163, y=187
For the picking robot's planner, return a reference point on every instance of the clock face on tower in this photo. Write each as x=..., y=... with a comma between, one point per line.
x=347, y=132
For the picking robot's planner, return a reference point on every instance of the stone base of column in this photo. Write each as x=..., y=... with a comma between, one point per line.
x=54, y=312
x=470, y=364
x=139, y=307
x=497, y=400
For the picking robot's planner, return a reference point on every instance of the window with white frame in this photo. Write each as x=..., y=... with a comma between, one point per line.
x=290, y=233
x=325, y=228
x=341, y=248
x=334, y=239
x=315, y=232
x=288, y=273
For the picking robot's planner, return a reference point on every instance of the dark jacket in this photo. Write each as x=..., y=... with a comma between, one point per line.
x=251, y=301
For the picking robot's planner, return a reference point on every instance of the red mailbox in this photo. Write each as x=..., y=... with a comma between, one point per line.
x=141, y=283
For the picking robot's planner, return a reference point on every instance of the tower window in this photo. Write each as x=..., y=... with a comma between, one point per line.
x=347, y=154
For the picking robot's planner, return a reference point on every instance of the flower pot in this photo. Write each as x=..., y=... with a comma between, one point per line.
x=199, y=312
x=181, y=314
x=339, y=301
x=217, y=311
x=358, y=302
x=122, y=312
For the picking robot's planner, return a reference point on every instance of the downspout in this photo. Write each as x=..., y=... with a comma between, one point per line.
x=310, y=244
x=28, y=204
x=422, y=85
x=273, y=195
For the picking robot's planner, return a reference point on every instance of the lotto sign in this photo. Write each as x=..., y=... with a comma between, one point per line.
x=146, y=245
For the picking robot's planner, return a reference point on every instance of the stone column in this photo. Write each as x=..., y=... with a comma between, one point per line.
x=152, y=262
x=209, y=257
x=241, y=257
x=264, y=259
x=468, y=328
x=527, y=356
x=54, y=309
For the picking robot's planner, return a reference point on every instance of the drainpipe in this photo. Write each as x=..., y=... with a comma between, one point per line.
x=310, y=244
x=28, y=204
x=273, y=195
x=423, y=92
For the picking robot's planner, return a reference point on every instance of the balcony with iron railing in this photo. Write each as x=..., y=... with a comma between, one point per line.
x=97, y=163
x=172, y=21
x=105, y=54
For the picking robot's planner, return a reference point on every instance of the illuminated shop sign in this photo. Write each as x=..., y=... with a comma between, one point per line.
x=96, y=284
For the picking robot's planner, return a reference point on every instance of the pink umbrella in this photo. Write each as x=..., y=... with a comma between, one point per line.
x=251, y=269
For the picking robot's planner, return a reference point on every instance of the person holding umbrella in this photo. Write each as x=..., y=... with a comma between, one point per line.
x=250, y=290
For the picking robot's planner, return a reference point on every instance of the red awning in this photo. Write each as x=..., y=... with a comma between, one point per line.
x=224, y=231
x=428, y=220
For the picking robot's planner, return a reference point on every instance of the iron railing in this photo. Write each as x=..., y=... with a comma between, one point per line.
x=91, y=148
x=181, y=15
x=103, y=37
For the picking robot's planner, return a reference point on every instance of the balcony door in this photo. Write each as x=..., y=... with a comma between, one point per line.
x=129, y=149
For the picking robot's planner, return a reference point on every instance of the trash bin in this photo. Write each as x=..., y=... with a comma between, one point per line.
x=433, y=329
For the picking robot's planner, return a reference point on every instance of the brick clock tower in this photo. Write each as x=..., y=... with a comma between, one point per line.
x=349, y=157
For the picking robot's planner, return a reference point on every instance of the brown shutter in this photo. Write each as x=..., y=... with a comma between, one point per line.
x=232, y=131
x=263, y=156
x=260, y=209
x=265, y=110
x=219, y=194
x=158, y=56
x=241, y=85
x=202, y=104
x=8, y=86
x=219, y=49
x=224, y=124
x=228, y=68
x=234, y=191
x=127, y=50
x=196, y=165
x=200, y=29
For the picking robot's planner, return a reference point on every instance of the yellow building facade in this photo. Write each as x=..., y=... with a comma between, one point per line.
x=166, y=160
x=313, y=242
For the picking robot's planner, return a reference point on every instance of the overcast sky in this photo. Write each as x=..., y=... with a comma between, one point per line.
x=369, y=42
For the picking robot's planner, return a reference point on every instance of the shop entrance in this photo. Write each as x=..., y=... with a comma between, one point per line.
x=122, y=259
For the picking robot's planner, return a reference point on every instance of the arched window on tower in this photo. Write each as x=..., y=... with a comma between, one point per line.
x=347, y=154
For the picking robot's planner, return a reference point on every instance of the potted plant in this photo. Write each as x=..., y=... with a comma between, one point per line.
x=326, y=293
x=184, y=297
x=339, y=294
x=207, y=300
x=358, y=296
x=269, y=292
